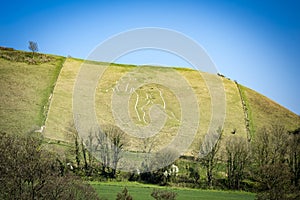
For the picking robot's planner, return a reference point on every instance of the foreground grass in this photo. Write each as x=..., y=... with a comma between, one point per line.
x=110, y=190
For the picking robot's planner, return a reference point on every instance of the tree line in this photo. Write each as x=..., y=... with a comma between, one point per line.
x=271, y=163
x=268, y=165
x=29, y=171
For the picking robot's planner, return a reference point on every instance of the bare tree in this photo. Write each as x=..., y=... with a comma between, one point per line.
x=208, y=152
x=237, y=152
x=77, y=150
x=84, y=154
x=159, y=164
x=148, y=146
x=294, y=156
x=33, y=46
x=270, y=167
x=270, y=145
x=164, y=158
x=28, y=171
x=87, y=154
x=109, y=147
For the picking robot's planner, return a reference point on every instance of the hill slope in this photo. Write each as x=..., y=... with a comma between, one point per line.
x=58, y=128
x=26, y=90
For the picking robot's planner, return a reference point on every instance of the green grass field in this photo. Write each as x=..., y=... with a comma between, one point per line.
x=110, y=190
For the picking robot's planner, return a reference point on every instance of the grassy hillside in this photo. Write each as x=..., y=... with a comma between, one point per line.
x=58, y=128
x=25, y=89
x=61, y=104
x=264, y=111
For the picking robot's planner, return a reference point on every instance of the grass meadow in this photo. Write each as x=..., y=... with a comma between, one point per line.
x=109, y=190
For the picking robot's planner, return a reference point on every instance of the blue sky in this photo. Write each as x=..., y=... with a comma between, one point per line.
x=256, y=42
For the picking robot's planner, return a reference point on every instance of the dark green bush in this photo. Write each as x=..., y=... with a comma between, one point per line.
x=163, y=194
x=124, y=195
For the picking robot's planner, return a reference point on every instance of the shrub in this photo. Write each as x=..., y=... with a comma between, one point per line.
x=20, y=56
x=163, y=194
x=124, y=195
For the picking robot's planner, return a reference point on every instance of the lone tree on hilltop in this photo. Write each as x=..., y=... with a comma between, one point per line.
x=33, y=46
